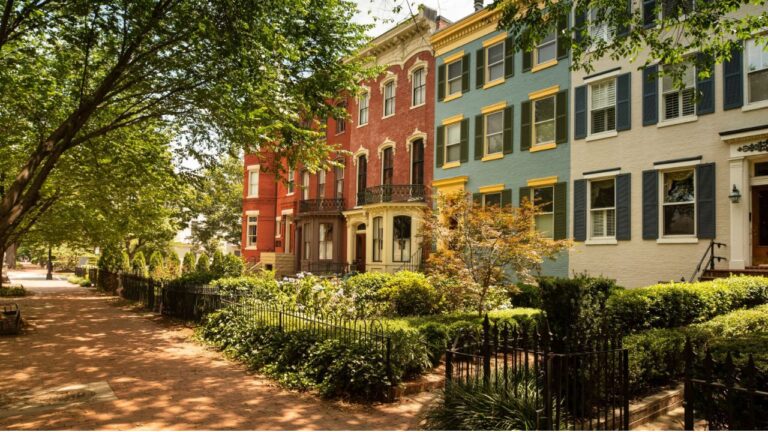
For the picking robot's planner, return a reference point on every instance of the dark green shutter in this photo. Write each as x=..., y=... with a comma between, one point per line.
x=509, y=120
x=733, y=86
x=650, y=205
x=580, y=210
x=480, y=68
x=464, y=140
x=563, y=39
x=624, y=102
x=509, y=57
x=525, y=126
x=465, y=73
x=650, y=95
x=561, y=117
x=479, y=136
x=649, y=13
x=440, y=146
x=527, y=61
x=705, y=201
x=525, y=194
x=623, y=207
x=580, y=27
x=441, y=83
x=561, y=211
x=705, y=88
x=477, y=199
x=506, y=198
x=580, y=112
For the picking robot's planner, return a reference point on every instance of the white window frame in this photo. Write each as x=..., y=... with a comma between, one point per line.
x=542, y=44
x=747, y=103
x=388, y=86
x=420, y=87
x=543, y=213
x=377, y=239
x=325, y=242
x=662, y=204
x=448, y=78
x=305, y=185
x=488, y=65
x=486, y=136
x=363, y=109
x=291, y=182
x=251, y=220
x=606, y=32
x=278, y=227
x=457, y=143
x=253, y=171
x=534, y=123
x=321, y=177
x=409, y=249
x=591, y=211
x=591, y=105
x=680, y=99
x=338, y=193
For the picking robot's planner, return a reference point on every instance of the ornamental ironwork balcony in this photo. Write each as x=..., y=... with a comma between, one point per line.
x=321, y=205
x=392, y=193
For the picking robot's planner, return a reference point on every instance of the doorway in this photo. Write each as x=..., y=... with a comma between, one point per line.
x=759, y=218
x=360, y=252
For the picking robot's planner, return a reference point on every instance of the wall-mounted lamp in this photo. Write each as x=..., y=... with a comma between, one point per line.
x=735, y=195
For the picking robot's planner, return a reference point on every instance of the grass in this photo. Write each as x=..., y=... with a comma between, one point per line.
x=12, y=291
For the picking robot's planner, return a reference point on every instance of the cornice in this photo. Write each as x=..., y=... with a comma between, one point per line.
x=474, y=26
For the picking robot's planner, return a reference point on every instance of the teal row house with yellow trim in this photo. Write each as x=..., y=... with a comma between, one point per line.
x=502, y=122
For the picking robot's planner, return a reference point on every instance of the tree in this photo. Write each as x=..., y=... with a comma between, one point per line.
x=173, y=265
x=484, y=248
x=189, y=263
x=664, y=31
x=217, y=74
x=156, y=264
x=139, y=265
x=203, y=263
x=217, y=265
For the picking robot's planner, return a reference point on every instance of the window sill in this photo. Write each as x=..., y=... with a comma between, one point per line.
x=289, y=194
x=602, y=136
x=418, y=106
x=251, y=248
x=251, y=196
x=680, y=240
x=755, y=106
x=493, y=83
x=605, y=241
x=387, y=116
x=452, y=97
x=340, y=133
x=677, y=121
x=545, y=65
x=362, y=125
x=450, y=165
x=542, y=147
x=492, y=157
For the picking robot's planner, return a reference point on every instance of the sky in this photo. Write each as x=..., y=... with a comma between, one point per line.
x=383, y=11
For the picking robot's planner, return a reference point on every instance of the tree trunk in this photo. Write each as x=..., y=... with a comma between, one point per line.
x=49, y=275
x=10, y=257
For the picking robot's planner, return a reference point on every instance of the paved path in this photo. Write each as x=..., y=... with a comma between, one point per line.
x=161, y=379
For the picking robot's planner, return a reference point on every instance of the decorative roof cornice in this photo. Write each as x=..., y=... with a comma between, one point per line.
x=472, y=27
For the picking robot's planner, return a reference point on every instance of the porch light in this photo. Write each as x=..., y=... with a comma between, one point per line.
x=735, y=195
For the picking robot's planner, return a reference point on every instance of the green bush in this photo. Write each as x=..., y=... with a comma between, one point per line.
x=156, y=265
x=234, y=266
x=191, y=280
x=203, y=264
x=436, y=338
x=217, y=264
x=527, y=296
x=12, y=291
x=410, y=293
x=738, y=323
x=172, y=265
x=679, y=304
x=111, y=259
x=125, y=263
x=188, y=265
x=261, y=288
x=74, y=280
x=139, y=264
x=85, y=283
x=365, y=291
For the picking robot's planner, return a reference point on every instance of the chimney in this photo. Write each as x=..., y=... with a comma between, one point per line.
x=478, y=5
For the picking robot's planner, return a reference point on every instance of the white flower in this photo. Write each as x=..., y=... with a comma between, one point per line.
x=317, y=288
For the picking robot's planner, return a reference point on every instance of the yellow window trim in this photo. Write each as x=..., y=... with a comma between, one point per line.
x=542, y=147
x=491, y=188
x=453, y=57
x=453, y=181
x=543, y=181
x=493, y=108
x=449, y=165
x=545, y=65
x=494, y=40
x=453, y=119
x=493, y=83
x=452, y=97
x=549, y=91
x=491, y=157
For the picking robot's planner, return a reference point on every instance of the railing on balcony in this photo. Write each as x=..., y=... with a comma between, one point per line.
x=321, y=205
x=392, y=193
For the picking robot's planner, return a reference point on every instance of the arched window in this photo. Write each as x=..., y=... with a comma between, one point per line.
x=401, y=238
x=417, y=162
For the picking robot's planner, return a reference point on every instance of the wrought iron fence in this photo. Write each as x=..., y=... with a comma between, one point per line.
x=190, y=303
x=321, y=205
x=578, y=390
x=722, y=395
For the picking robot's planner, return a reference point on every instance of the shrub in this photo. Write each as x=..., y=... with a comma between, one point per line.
x=139, y=264
x=234, y=266
x=351, y=370
x=436, y=337
x=527, y=296
x=217, y=264
x=111, y=259
x=262, y=288
x=191, y=280
x=125, y=262
x=85, y=283
x=411, y=293
x=188, y=265
x=365, y=291
x=156, y=265
x=12, y=291
x=74, y=280
x=738, y=323
x=455, y=293
x=172, y=265
x=203, y=263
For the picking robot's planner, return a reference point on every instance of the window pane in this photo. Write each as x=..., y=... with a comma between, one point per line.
x=495, y=144
x=496, y=53
x=545, y=109
x=495, y=123
x=604, y=94
x=453, y=153
x=545, y=132
x=547, y=49
x=453, y=134
x=544, y=198
x=454, y=86
x=598, y=224
x=545, y=224
x=678, y=187
x=679, y=220
x=758, y=86
x=454, y=70
x=493, y=199
x=602, y=194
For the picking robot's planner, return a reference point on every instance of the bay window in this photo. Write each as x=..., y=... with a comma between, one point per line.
x=378, y=238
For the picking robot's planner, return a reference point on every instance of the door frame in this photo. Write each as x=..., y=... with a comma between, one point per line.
x=360, y=247
x=755, y=216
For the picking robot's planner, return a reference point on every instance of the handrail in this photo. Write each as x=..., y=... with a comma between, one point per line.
x=393, y=193
x=710, y=251
x=410, y=264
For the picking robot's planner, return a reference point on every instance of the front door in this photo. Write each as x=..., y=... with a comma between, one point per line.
x=760, y=225
x=360, y=253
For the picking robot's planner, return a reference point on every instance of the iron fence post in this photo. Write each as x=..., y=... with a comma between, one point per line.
x=448, y=366
x=547, y=393
x=688, y=386
x=625, y=388
x=486, y=351
x=388, y=360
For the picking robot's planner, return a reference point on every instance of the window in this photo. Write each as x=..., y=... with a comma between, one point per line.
x=305, y=185
x=494, y=132
x=761, y=169
x=679, y=103
x=546, y=50
x=279, y=227
x=599, y=29
x=544, y=120
x=419, y=86
x=679, y=203
x=325, y=240
x=401, y=238
x=757, y=71
x=492, y=199
x=291, y=180
x=417, y=162
x=341, y=122
x=307, y=241
x=362, y=113
x=494, y=62
x=253, y=183
x=252, y=231
x=389, y=99
x=339, y=176
x=454, y=77
x=387, y=167
x=321, y=184
x=378, y=238
x=674, y=9
x=362, y=178
x=602, y=208
x=603, y=111
x=453, y=142
x=544, y=199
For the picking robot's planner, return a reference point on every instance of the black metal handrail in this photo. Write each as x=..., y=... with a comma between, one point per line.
x=709, y=257
x=414, y=262
x=321, y=205
x=392, y=193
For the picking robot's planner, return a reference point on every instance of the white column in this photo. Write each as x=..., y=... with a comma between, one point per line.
x=351, y=234
x=739, y=243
